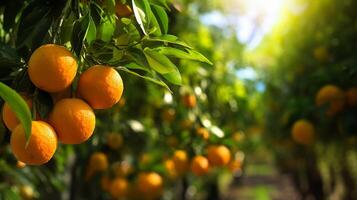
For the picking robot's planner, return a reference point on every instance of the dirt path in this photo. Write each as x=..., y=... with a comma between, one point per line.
x=262, y=182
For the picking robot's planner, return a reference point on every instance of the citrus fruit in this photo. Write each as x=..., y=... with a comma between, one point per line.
x=119, y=188
x=150, y=185
x=199, y=165
x=181, y=161
x=52, y=68
x=122, y=10
x=189, y=100
x=170, y=168
x=73, y=120
x=202, y=132
x=98, y=162
x=9, y=116
x=41, y=146
x=332, y=96
x=114, y=140
x=303, y=132
x=101, y=86
x=218, y=155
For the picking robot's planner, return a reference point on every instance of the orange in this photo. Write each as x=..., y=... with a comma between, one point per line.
x=73, y=120
x=218, y=155
x=199, y=165
x=150, y=185
x=189, y=100
x=170, y=168
x=9, y=116
x=235, y=166
x=203, y=132
x=26, y=192
x=119, y=188
x=41, y=147
x=122, y=10
x=114, y=140
x=168, y=115
x=303, y=132
x=351, y=95
x=333, y=97
x=98, y=162
x=101, y=86
x=52, y=68
x=321, y=54
x=181, y=161
x=122, y=169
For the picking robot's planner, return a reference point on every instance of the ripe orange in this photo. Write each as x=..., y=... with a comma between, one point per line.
x=303, y=132
x=203, y=132
x=189, y=100
x=351, y=95
x=168, y=115
x=101, y=86
x=122, y=10
x=333, y=96
x=98, y=162
x=122, y=169
x=150, y=185
x=235, y=166
x=73, y=120
x=114, y=140
x=170, y=168
x=9, y=116
x=199, y=165
x=181, y=161
x=218, y=155
x=119, y=188
x=321, y=54
x=52, y=68
x=41, y=147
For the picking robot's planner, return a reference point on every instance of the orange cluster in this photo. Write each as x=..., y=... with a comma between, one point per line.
x=52, y=68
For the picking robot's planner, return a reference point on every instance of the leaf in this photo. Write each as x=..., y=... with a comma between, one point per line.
x=79, y=33
x=92, y=31
x=139, y=16
x=161, y=17
x=178, y=53
x=109, y=6
x=162, y=3
x=159, y=62
x=9, y=60
x=174, y=77
x=106, y=29
x=158, y=82
x=11, y=10
x=18, y=106
x=170, y=39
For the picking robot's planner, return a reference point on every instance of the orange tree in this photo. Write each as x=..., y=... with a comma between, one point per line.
x=63, y=57
x=311, y=117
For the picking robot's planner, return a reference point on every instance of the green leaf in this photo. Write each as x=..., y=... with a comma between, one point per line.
x=156, y=81
x=18, y=106
x=12, y=8
x=174, y=77
x=109, y=6
x=183, y=54
x=159, y=62
x=106, y=29
x=79, y=34
x=92, y=31
x=9, y=60
x=169, y=39
x=161, y=17
x=139, y=16
x=162, y=3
